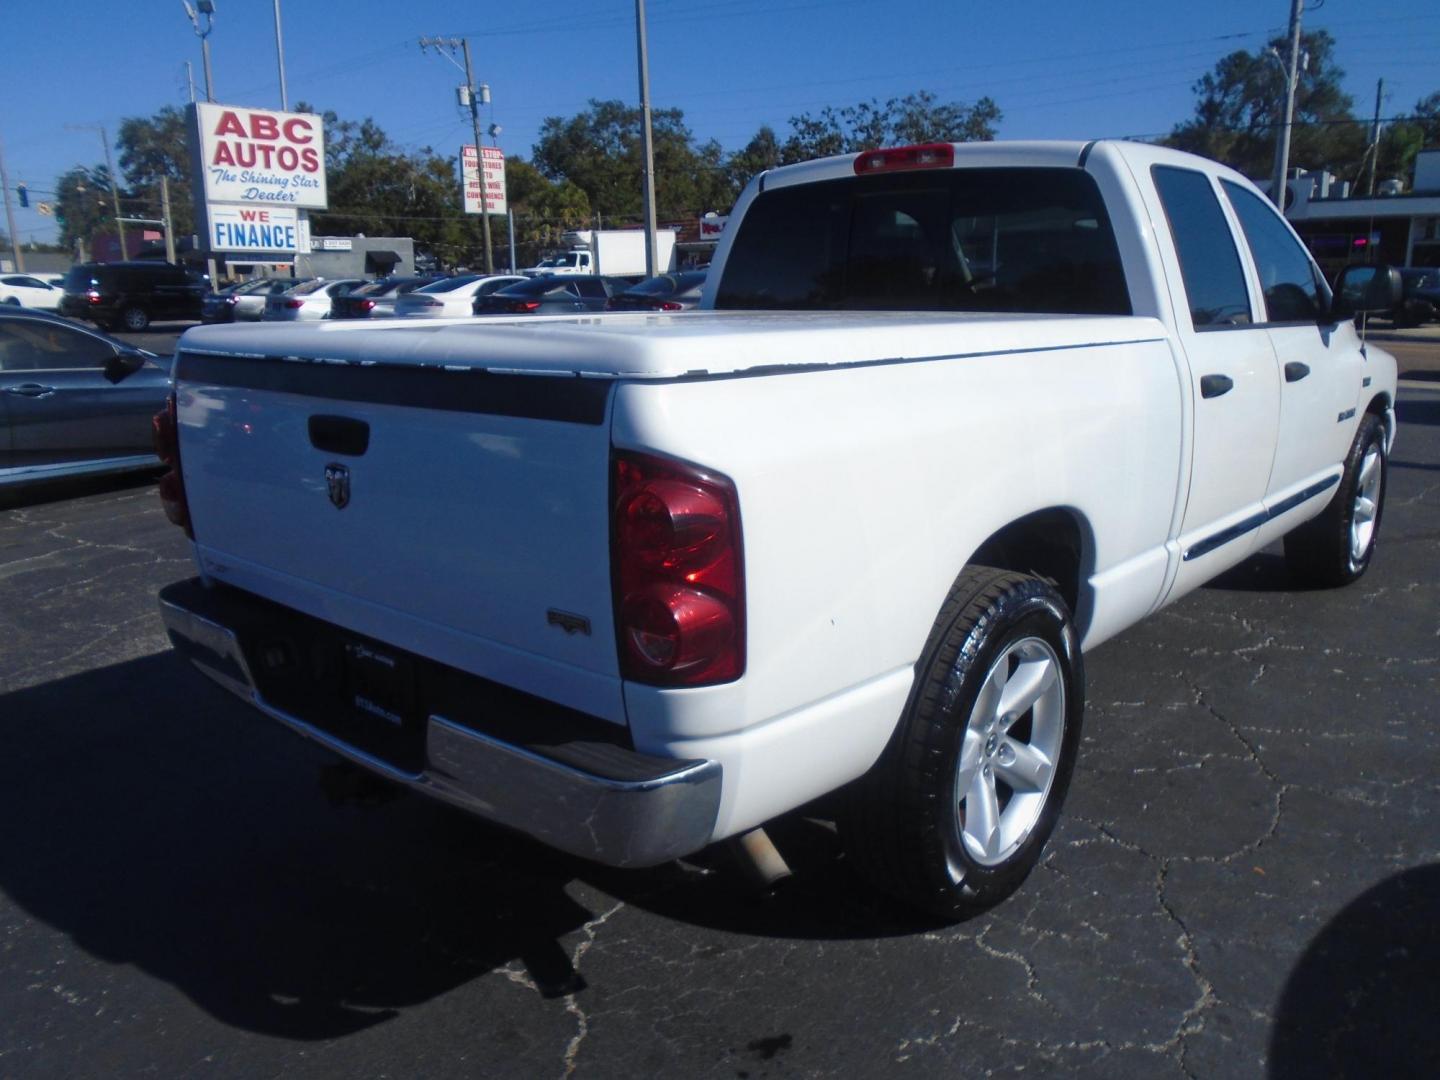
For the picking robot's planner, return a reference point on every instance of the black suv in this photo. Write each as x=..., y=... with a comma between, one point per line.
x=130, y=295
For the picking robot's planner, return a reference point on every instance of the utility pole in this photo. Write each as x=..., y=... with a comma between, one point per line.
x=165, y=217
x=280, y=55
x=647, y=147
x=1282, y=149
x=1374, y=148
x=15, y=249
x=114, y=180
x=114, y=193
x=473, y=93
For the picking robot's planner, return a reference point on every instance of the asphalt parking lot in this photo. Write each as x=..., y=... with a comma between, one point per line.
x=1246, y=880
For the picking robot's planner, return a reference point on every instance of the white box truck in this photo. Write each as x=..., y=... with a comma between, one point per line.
x=608, y=251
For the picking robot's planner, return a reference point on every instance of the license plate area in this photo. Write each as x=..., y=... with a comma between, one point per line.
x=377, y=684
x=362, y=692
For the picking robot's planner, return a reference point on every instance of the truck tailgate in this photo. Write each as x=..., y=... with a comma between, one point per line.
x=455, y=513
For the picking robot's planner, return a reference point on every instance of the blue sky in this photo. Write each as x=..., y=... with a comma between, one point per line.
x=1057, y=70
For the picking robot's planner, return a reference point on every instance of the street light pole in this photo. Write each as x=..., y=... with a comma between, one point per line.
x=207, y=8
x=647, y=147
x=1282, y=149
x=474, y=94
x=280, y=56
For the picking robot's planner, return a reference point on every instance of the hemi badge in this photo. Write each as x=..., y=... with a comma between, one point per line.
x=1366, y=382
x=1346, y=415
x=571, y=624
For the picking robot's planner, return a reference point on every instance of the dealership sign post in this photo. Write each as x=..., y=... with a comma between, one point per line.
x=257, y=172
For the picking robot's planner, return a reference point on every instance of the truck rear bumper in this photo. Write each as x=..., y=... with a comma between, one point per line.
x=596, y=799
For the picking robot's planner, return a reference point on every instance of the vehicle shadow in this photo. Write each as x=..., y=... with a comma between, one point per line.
x=75, y=487
x=157, y=822
x=1264, y=572
x=1417, y=412
x=1363, y=1000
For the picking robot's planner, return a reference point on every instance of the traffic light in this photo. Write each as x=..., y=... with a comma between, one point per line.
x=24, y=194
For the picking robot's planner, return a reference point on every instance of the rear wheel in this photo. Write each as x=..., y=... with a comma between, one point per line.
x=1336, y=547
x=134, y=319
x=957, y=811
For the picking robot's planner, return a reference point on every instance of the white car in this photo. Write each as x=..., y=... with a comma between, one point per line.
x=452, y=297
x=26, y=290
x=307, y=301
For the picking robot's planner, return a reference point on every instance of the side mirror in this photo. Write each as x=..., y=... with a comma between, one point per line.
x=122, y=365
x=1369, y=288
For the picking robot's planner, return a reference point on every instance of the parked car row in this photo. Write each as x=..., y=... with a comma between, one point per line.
x=131, y=295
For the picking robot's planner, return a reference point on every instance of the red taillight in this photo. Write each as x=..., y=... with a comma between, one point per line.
x=676, y=564
x=901, y=158
x=93, y=296
x=165, y=428
x=523, y=307
x=367, y=305
x=293, y=304
x=668, y=305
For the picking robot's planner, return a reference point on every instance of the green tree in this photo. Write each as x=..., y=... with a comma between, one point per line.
x=152, y=147
x=83, y=204
x=599, y=151
x=762, y=152
x=1402, y=140
x=544, y=211
x=379, y=189
x=916, y=118
x=1238, y=107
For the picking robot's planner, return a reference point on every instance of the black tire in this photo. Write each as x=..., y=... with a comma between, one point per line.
x=903, y=824
x=1326, y=551
x=134, y=319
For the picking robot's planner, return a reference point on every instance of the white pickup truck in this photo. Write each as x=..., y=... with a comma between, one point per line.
x=948, y=416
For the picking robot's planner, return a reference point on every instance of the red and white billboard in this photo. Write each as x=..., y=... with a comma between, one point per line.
x=494, y=180
x=263, y=157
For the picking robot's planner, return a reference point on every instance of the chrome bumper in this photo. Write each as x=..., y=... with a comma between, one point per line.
x=650, y=811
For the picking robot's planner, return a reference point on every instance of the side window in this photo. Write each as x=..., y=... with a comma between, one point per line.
x=1287, y=276
x=1209, y=263
x=591, y=289
x=49, y=347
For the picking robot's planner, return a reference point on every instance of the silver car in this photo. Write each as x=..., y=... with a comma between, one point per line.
x=307, y=302
x=74, y=401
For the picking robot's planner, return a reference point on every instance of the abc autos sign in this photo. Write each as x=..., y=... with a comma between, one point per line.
x=260, y=157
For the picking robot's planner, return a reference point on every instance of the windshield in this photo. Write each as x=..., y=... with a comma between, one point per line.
x=667, y=284
x=308, y=287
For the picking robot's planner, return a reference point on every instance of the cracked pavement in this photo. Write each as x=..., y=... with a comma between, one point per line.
x=1245, y=882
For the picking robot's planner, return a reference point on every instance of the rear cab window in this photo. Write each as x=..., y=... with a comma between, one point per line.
x=993, y=239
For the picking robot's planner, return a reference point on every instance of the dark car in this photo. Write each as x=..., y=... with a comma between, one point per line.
x=377, y=299
x=219, y=306
x=663, y=292
x=1421, y=301
x=132, y=295
x=555, y=294
x=73, y=401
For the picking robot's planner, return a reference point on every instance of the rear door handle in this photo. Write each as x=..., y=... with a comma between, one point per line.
x=30, y=389
x=1215, y=385
x=1295, y=371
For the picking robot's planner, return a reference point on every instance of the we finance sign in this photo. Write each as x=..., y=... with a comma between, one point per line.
x=253, y=228
x=260, y=157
